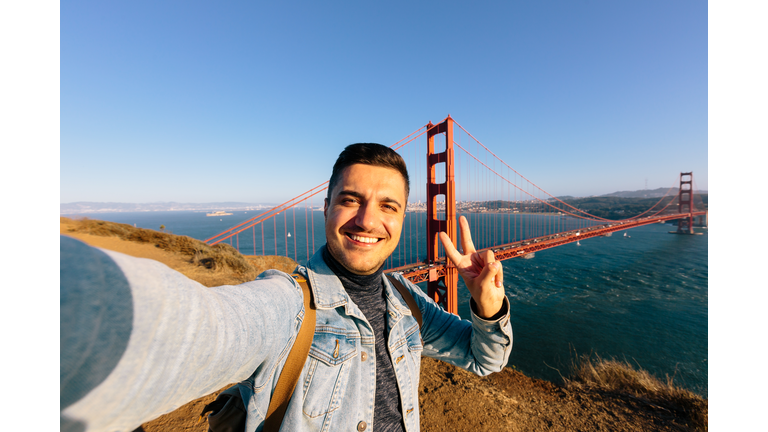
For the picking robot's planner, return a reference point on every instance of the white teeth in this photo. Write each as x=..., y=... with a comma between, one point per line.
x=363, y=239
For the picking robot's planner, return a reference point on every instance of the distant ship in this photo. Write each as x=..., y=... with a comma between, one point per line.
x=219, y=213
x=289, y=234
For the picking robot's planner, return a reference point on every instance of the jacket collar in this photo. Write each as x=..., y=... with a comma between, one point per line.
x=326, y=287
x=329, y=293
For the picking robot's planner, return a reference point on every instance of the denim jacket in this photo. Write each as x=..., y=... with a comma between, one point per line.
x=336, y=387
x=184, y=341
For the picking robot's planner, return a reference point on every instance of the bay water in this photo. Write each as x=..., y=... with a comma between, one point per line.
x=640, y=297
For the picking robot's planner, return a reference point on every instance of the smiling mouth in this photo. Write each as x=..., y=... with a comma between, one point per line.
x=360, y=239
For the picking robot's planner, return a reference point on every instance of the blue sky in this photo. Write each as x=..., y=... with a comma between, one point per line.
x=252, y=101
x=133, y=103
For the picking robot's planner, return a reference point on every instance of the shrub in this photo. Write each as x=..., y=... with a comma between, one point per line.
x=621, y=378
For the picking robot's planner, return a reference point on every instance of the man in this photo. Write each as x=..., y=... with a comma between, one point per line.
x=169, y=340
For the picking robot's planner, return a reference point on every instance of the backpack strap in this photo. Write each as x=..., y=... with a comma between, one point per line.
x=298, y=355
x=407, y=297
x=289, y=376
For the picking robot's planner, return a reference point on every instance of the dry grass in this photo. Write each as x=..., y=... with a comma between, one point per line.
x=622, y=379
x=217, y=257
x=276, y=262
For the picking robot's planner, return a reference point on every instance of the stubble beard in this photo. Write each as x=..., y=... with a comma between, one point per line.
x=344, y=260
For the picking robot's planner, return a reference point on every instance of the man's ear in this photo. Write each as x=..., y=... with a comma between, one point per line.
x=325, y=208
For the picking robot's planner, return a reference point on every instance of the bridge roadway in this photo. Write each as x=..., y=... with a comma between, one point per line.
x=422, y=272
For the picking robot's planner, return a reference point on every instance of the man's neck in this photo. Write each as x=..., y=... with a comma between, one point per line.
x=344, y=274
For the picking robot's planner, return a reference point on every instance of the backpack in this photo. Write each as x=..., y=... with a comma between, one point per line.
x=227, y=412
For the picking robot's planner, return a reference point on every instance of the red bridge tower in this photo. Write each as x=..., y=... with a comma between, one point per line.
x=441, y=287
x=685, y=203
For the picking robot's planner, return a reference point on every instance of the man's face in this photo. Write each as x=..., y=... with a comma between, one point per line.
x=364, y=217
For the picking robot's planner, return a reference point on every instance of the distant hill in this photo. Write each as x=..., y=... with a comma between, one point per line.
x=86, y=207
x=648, y=193
x=109, y=207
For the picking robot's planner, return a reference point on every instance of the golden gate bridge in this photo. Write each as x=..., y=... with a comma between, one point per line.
x=507, y=212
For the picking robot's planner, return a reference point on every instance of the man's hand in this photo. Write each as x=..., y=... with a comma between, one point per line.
x=481, y=272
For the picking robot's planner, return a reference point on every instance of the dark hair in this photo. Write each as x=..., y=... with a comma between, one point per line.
x=368, y=154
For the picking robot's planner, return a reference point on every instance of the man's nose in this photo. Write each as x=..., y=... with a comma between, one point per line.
x=367, y=217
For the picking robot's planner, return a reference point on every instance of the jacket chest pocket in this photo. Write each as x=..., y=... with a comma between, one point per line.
x=413, y=340
x=413, y=350
x=328, y=371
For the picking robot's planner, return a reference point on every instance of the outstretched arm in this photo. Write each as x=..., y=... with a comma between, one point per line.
x=481, y=272
x=139, y=339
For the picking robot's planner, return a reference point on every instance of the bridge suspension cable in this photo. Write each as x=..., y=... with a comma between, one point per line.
x=586, y=214
x=505, y=209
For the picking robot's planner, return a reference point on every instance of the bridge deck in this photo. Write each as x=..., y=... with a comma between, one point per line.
x=423, y=272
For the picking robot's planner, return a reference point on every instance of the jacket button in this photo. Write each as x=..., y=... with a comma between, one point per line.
x=361, y=426
x=363, y=356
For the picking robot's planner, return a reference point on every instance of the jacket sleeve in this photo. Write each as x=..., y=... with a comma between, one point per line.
x=139, y=340
x=479, y=346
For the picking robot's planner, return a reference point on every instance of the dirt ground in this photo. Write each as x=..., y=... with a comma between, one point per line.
x=451, y=399
x=454, y=399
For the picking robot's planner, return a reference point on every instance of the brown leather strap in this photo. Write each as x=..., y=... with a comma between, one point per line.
x=407, y=297
x=289, y=376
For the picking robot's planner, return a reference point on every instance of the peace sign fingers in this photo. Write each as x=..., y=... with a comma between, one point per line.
x=480, y=271
x=462, y=260
x=467, y=246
